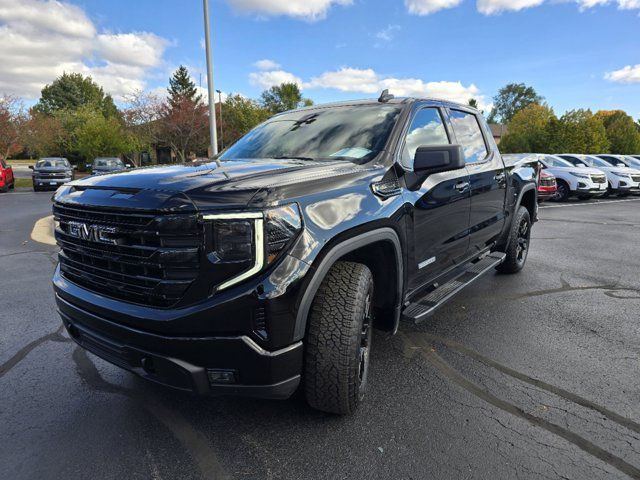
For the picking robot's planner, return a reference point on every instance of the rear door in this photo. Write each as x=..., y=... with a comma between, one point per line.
x=440, y=202
x=487, y=176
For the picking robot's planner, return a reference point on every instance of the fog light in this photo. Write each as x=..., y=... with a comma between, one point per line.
x=221, y=376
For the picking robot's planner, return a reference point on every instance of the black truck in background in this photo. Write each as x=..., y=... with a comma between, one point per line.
x=266, y=270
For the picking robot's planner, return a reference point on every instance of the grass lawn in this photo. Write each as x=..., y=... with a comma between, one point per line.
x=23, y=182
x=22, y=162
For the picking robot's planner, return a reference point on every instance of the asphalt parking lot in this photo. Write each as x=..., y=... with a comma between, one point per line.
x=527, y=376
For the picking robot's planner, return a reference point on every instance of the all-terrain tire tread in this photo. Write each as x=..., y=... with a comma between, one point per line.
x=333, y=338
x=510, y=264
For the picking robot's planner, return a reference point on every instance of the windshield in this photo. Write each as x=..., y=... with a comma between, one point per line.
x=52, y=162
x=341, y=133
x=601, y=162
x=107, y=162
x=633, y=161
x=556, y=162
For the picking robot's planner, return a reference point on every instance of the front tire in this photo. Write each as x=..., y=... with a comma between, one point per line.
x=563, y=192
x=518, y=248
x=339, y=339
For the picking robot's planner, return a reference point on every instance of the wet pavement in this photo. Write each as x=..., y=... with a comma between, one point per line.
x=526, y=376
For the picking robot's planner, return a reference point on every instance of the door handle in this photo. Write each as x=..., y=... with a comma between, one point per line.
x=462, y=186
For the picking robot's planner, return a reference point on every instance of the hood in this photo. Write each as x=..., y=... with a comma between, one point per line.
x=588, y=170
x=106, y=169
x=51, y=169
x=233, y=184
x=625, y=171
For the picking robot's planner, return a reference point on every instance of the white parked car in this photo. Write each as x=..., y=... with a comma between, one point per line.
x=622, y=180
x=631, y=161
x=574, y=181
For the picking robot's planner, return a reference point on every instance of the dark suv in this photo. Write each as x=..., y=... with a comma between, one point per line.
x=51, y=172
x=271, y=266
x=103, y=165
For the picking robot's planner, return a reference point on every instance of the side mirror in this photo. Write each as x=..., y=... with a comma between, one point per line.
x=438, y=158
x=129, y=165
x=30, y=167
x=621, y=165
x=88, y=165
x=75, y=167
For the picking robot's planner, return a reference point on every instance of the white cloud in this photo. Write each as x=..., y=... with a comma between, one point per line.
x=628, y=74
x=347, y=80
x=270, y=78
x=492, y=7
x=305, y=9
x=427, y=7
x=266, y=64
x=369, y=82
x=622, y=4
x=140, y=48
x=41, y=39
x=389, y=33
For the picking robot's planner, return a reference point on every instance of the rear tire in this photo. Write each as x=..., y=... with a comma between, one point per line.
x=339, y=339
x=519, y=238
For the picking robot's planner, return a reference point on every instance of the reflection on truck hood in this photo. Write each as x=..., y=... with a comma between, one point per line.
x=237, y=181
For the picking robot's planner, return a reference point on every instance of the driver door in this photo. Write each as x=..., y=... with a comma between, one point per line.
x=440, y=203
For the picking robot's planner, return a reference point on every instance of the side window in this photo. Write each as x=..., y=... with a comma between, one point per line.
x=427, y=128
x=469, y=135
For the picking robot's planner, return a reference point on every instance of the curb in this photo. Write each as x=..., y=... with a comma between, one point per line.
x=43, y=231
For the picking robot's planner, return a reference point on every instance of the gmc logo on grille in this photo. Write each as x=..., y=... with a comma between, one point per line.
x=92, y=233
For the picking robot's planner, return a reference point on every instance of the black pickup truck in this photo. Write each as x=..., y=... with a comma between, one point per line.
x=265, y=270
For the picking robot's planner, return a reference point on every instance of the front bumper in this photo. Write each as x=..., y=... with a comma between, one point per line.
x=184, y=362
x=50, y=182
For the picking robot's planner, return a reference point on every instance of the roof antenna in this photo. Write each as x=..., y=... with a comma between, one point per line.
x=385, y=96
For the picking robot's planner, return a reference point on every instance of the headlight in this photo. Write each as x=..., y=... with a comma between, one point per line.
x=579, y=174
x=243, y=243
x=621, y=175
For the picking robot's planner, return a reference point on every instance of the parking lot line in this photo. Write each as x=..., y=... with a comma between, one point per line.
x=601, y=202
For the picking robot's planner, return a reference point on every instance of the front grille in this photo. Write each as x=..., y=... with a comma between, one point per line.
x=547, y=182
x=46, y=176
x=635, y=178
x=598, y=179
x=144, y=258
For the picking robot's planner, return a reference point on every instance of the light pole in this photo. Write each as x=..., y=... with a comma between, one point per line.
x=212, y=112
x=221, y=123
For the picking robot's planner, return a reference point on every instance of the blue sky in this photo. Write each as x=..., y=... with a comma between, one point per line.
x=573, y=52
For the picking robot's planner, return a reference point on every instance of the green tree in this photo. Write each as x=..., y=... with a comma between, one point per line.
x=72, y=91
x=182, y=88
x=529, y=131
x=473, y=103
x=283, y=97
x=99, y=136
x=241, y=114
x=580, y=131
x=510, y=100
x=622, y=132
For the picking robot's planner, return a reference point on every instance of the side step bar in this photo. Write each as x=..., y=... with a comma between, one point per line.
x=427, y=305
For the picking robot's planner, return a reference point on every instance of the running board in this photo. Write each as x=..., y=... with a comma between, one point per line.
x=427, y=305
